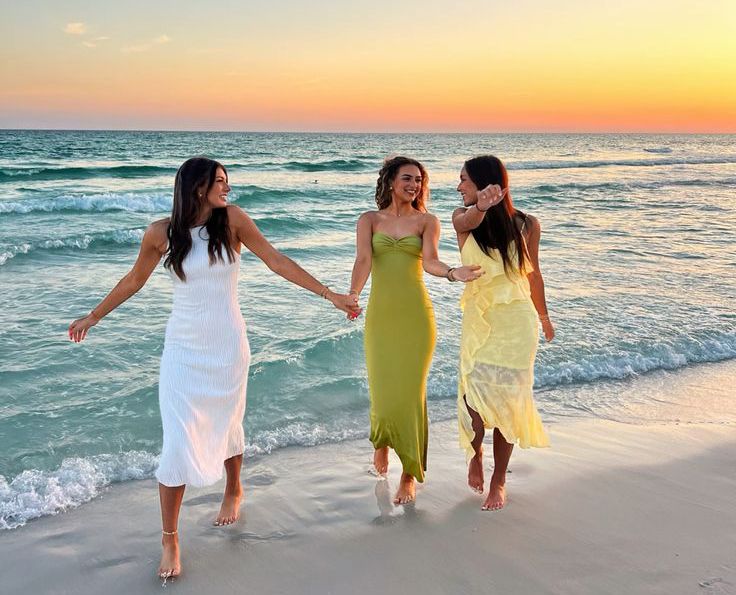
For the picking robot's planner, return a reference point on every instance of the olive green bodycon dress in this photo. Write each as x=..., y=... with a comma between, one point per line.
x=399, y=342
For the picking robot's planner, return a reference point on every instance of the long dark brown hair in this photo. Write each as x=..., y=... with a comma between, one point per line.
x=387, y=175
x=193, y=181
x=498, y=230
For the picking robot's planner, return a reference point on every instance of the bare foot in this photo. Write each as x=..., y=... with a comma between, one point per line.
x=407, y=491
x=229, y=509
x=496, y=497
x=475, y=473
x=380, y=460
x=170, y=566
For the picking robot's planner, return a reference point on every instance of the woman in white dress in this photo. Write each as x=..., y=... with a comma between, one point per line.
x=204, y=366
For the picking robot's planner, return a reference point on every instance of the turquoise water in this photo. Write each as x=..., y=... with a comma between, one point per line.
x=636, y=252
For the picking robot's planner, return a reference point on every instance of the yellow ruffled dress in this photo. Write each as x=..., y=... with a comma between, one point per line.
x=499, y=340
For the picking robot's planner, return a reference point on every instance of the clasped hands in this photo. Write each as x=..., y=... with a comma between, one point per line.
x=347, y=302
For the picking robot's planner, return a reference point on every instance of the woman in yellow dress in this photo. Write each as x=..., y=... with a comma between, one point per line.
x=499, y=329
x=394, y=244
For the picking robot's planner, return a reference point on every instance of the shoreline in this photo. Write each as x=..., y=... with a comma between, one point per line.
x=694, y=394
x=610, y=508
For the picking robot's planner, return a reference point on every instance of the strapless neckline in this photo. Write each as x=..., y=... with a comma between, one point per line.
x=390, y=237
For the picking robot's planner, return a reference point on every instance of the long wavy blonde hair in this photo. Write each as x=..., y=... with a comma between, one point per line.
x=387, y=175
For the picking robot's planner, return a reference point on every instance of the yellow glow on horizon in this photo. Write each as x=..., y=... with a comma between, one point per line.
x=575, y=66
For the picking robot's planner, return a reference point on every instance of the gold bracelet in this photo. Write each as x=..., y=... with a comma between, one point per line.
x=544, y=318
x=450, y=276
x=324, y=292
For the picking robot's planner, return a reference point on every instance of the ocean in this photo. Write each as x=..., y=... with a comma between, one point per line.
x=636, y=253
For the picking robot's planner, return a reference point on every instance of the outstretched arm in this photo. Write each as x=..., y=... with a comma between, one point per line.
x=152, y=249
x=536, y=281
x=249, y=235
x=430, y=259
x=467, y=219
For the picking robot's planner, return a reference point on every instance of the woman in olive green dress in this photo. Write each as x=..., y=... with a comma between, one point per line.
x=394, y=244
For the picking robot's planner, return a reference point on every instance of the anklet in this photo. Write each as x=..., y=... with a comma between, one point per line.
x=169, y=532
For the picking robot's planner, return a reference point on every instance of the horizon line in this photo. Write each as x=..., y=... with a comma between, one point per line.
x=386, y=132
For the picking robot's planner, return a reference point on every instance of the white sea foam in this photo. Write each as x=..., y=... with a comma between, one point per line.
x=127, y=201
x=35, y=493
x=623, y=364
x=302, y=434
x=119, y=236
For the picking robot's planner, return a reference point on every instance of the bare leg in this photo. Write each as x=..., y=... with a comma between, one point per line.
x=170, y=498
x=407, y=490
x=501, y=455
x=380, y=460
x=475, y=467
x=230, y=507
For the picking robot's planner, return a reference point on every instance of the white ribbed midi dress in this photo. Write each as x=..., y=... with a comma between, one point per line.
x=204, y=371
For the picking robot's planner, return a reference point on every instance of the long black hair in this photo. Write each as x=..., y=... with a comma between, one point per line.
x=193, y=181
x=498, y=230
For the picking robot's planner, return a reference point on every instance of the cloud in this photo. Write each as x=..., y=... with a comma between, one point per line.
x=92, y=43
x=75, y=28
x=144, y=47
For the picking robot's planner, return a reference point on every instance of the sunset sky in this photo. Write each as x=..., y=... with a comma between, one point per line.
x=463, y=65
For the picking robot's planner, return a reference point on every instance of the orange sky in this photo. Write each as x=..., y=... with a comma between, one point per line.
x=461, y=66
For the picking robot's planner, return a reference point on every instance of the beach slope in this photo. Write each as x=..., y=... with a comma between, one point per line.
x=611, y=508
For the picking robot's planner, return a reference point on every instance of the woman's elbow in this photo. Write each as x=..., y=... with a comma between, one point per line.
x=430, y=266
x=536, y=278
x=133, y=283
x=277, y=263
x=362, y=262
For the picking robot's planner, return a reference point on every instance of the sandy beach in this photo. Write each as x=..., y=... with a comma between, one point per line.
x=611, y=508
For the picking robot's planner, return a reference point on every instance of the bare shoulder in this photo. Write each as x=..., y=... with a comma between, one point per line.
x=159, y=226
x=430, y=220
x=236, y=215
x=367, y=220
x=532, y=224
x=157, y=235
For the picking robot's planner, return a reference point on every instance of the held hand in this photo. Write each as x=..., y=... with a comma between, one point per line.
x=78, y=329
x=548, y=329
x=348, y=303
x=467, y=273
x=356, y=309
x=490, y=196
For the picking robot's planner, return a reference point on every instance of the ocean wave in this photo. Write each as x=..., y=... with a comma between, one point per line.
x=129, y=201
x=678, y=353
x=329, y=165
x=721, y=159
x=152, y=202
x=122, y=236
x=303, y=435
x=659, y=150
x=15, y=174
x=34, y=493
x=626, y=187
